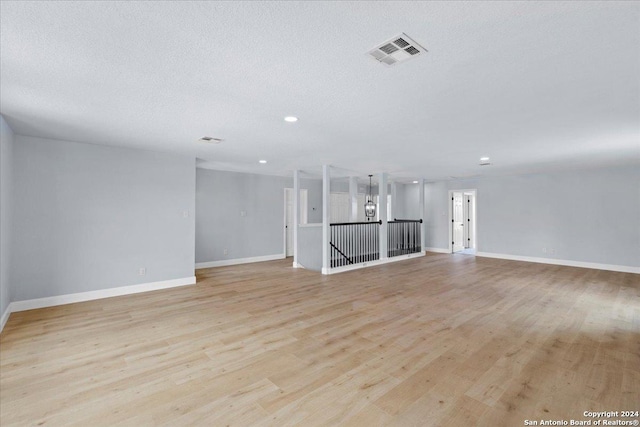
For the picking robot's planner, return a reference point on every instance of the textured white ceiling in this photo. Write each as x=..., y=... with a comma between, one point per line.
x=534, y=85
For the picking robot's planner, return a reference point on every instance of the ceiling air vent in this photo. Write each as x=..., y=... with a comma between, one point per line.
x=401, y=42
x=388, y=60
x=388, y=48
x=210, y=140
x=397, y=49
x=412, y=50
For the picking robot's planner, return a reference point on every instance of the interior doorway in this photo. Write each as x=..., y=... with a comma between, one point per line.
x=462, y=217
x=288, y=217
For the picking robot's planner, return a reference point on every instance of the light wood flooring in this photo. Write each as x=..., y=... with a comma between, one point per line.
x=444, y=340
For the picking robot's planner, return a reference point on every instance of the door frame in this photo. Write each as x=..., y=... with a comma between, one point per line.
x=304, y=212
x=474, y=218
x=284, y=226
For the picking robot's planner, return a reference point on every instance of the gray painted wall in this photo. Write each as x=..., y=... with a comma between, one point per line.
x=586, y=215
x=87, y=217
x=221, y=197
x=408, y=202
x=314, y=198
x=6, y=207
x=310, y=247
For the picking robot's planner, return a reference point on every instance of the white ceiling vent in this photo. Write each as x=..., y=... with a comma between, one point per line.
x=210, y=140
x=397, y=49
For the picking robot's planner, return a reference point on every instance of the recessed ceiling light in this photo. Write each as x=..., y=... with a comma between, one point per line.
x=291, y=119
x=484, y=159
x=262, y=161
x=415, y=182
x=210, y=140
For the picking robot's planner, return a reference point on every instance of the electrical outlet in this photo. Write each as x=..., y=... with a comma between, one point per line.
x=544, y=250
x=142, y=271
x=243, y=213
x=552, y=251
x=185, y=214
x=226, y=251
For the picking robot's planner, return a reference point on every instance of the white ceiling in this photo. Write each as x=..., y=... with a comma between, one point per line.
x=534, y=85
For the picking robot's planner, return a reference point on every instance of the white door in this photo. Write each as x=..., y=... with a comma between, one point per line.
x=288, y=213
x=457, y=222
x=340, y=203
x=288, y=216
x=362, y=199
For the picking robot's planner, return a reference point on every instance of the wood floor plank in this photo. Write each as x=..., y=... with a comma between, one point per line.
x=439, y=340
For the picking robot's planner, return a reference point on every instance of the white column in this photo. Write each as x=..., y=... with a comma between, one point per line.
x=326, y=210
x=382, y=200
x=353, y=199
x=296, y=215
x=423, y=226
x=394, y=201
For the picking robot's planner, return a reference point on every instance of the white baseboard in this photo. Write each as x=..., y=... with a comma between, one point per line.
x=565, y=262
x=371, y=263
x=99, y=294
x=5, y=317
x=439, y=250
x=226, y=262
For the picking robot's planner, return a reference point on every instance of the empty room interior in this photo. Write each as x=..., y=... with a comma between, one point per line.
x=290, y=213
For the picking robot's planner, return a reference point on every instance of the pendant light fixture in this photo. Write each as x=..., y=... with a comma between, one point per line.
x=370, y=207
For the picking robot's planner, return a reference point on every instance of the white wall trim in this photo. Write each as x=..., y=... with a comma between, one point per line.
x=5, y=317
x=565, y=262
x=236, y=261
x=439, y=250
x=99, y=294
x=371, y=263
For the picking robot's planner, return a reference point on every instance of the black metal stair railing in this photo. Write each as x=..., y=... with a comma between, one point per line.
x=403, y=237
x=334, y=247
x=354, y=242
